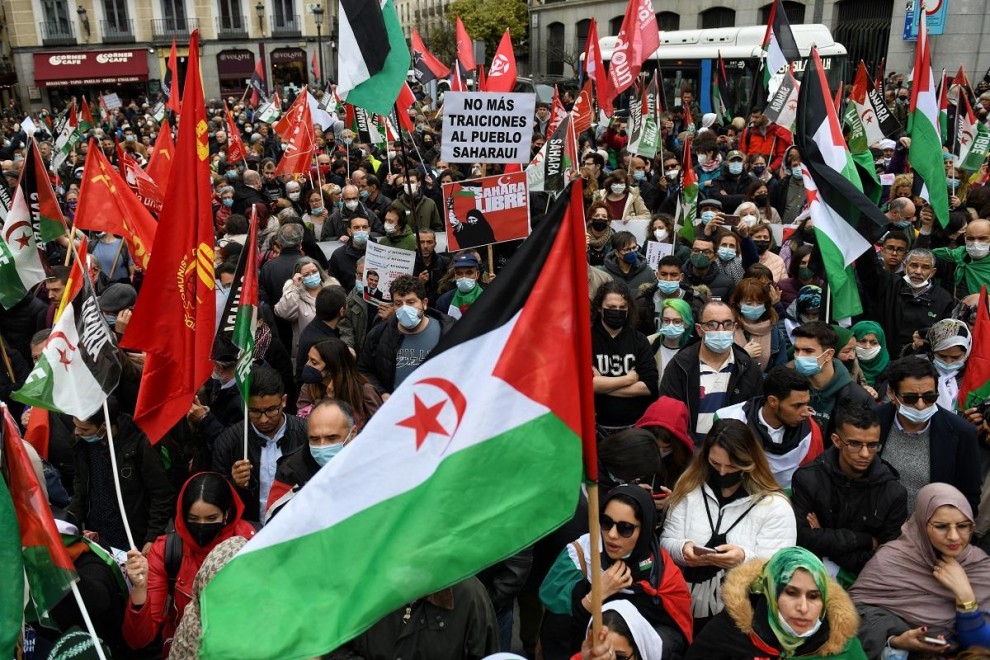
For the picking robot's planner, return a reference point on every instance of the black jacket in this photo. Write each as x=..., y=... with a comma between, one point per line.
x=894, y=306
x=719, y=284
x=229, y=448
x=20, y=322
x=646, y=310
x=148, y=496
x=506, y=579
x=274, y=274
x=617, y=356
x=294, y=471
x=343, y=263
x=681, y=380
x=852, y=512
x=956, y=458
x=438, y=266
x=377, y=361
x=733, y=186
x=245, y=198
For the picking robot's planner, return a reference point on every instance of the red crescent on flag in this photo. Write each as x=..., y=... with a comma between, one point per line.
x=453, y=393
x=13, y=228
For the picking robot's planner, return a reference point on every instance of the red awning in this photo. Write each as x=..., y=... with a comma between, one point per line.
x=90, y=67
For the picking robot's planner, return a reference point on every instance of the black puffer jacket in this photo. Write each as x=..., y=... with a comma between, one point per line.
x=851, y=512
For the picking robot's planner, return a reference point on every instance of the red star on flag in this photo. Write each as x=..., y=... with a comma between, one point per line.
x=63, y=358
x=424, y=420
x=812, y=196
x=23, y=240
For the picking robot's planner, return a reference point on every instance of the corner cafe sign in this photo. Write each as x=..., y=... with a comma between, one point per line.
x=91, y=67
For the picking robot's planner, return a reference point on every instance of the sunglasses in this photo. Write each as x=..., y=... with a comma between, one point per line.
x=911, y=398
x=625, y=529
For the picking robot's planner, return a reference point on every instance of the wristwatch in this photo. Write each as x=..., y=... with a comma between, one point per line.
x=968, y=606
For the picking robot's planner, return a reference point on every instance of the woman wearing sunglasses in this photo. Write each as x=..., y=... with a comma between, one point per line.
x=787, y=607
x=635, y=570
x=925, y=591
x=726, y=508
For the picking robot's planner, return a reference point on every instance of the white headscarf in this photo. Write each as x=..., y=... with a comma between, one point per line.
x=647, y=641
x=946, y=334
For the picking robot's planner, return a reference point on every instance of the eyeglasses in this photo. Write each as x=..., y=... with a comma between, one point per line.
x=625, y=529
x=628, y=249
x=911, y=398
x=963, y=528
x=677, y=322
x=894, y=250
x=857, y=446
x=715, y=325
x=708, y=252
x=267, y=412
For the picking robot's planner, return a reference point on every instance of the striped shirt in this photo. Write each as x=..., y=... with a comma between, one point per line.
x=713, y=384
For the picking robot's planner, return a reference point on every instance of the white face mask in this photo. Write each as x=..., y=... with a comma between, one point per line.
x=913, y=285
x=618, y=188
x=702, y=159
x=672, y=174
x=977, y=250
x=868, y=353
x=390, y=227
x=293, y=196
x=661, y=234
x=750, y=220
x=351, y=204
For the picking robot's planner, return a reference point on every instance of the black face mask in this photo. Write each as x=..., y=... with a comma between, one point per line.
x=204, y=533
x=599, y=225
x=614, y=318
x=720, y=482
x=762, y=246
x=760, y=200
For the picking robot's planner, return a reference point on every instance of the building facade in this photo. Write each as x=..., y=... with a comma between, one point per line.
x=64, y=48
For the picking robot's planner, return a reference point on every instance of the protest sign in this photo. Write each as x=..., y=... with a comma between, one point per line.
x=112, y=101
x=657, y=251
x=382, y=264
x=480, y=127
x=485, y=211
x=637, y=226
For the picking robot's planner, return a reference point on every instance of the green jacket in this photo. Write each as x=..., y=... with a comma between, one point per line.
x=423, y=214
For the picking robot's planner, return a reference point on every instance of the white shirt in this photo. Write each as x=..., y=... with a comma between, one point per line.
x=270, y=453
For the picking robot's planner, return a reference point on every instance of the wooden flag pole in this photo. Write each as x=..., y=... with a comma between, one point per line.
x=6, y=362
x=116, y=258
x=116, y=477
x=595, y=536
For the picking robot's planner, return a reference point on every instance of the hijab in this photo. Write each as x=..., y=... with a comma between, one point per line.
x=647, y=550
x=899, y=578
x=776, y=575
x=946, y=334
x=875, y=367
x=644, y=636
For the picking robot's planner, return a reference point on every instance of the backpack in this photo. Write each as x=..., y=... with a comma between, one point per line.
x=173, y=562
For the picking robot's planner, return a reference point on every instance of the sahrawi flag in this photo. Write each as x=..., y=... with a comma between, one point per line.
x=688, y=201
x=925, y=152
x=373, y=59
x=845, y=219
x=67, y=138
x=974, y=138
x=79, y=366
x=778, y=44
x=247, y=312
x=480, y=442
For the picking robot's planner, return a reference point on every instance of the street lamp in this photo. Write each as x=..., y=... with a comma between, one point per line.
x=318, y=13
x=260, y=10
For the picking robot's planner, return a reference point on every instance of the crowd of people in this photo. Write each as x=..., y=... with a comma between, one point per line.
x=775, y=483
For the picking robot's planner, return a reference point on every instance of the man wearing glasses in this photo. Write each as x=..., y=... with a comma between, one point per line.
x=848, y=502
x=923, y=442
x=271, y=435
x=713, y=373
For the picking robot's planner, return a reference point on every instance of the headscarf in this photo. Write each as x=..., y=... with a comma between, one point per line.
x=875, y=367
x=809, y=297
x=776, y=575
x=185, y=644
x=77, y=644
x=644, y=636
x=682, y=307
x=843, y=335
x=646, y=545
x=899, y=578
x=945, y=334
x=975, y=272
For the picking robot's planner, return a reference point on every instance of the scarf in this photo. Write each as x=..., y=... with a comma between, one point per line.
x=949, y=333
x=712, y=164
x=776, y=575
x=973, y=273
x=759, y=331
x=598, y=242
x=734, y=268
x=648, y=643
x=899, y=578
x=793, y=435
x=876, y=366
x=462, y=301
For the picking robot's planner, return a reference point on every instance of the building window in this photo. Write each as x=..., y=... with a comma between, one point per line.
x=615, y=25
x=718, y=17
x=174, y=12
x=794, y=11
x=282, y=10
x=582, y=28
x=56, y=29
x=668, y=20
x=229, y=12
x=555, y=49
x=116, y=13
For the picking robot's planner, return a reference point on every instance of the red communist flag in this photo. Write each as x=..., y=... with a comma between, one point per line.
x=160, y=162
x=301, y=141
x=502, y=74
x=639, y=38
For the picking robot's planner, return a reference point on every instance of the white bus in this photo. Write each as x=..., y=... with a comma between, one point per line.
x=691, y=57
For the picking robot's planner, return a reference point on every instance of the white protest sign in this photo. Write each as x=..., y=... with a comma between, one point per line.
x=638, y=227
x=329, y=247
x=382, y=264
x=657, y=251
x=482, y=127
x=28, y=126
x=112, y=101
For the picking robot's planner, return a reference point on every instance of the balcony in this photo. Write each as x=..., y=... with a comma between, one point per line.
x=286, y=26
x=57, y=33
x=166, y=29
x=120, y=31
x=232, y=27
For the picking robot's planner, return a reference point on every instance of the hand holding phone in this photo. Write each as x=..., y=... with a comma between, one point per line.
x=700, y=550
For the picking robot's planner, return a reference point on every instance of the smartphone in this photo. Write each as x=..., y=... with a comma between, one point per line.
x=934, y=641
x=704, y=550
x=660, y=495
x=731, y=219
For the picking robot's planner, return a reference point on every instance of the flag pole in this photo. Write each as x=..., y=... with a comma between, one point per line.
x=116, y=477
x=595, y=534
x=6, y=361
x=246, y=430
x=89, y=622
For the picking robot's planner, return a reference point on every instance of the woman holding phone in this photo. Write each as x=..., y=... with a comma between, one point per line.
x=726, y=508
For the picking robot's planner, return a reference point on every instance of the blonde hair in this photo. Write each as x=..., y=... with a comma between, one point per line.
x=745, y=452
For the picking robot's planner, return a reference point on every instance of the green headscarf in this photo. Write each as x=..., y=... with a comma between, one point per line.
x=872, y=368
x=844, y=335
x=776, y=575
x=683, y=308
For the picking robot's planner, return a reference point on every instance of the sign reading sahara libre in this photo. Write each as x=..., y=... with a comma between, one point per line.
x=482, y=127
x=480, y=212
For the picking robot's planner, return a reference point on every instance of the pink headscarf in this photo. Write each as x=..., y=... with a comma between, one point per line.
x=900, y=577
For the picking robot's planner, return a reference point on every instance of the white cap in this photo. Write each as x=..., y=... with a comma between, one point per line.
x=888, y=144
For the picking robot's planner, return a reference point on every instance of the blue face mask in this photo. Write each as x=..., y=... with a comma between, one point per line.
x=948, y=367
x=796, y=172
x=630, y=257
x=902, y=224
x=707, y=217
x=807, y=366
x=364, y=194
x=231, y=175
x=735, y=168
x=322, y=455
x=752, y=312
x=758, y=170
x=316, y=210
x=672, y=331
x=726, y=253
x=360, y=238
x=668, y=287
x=952, y=183
x=639, y=175
x=466, y=284
x=915, y=416
x=91, y=439
x=312, y=281
x=359, y=285
x=111, y=319
x=228, y=201
x=408, y=316
x=719, y=341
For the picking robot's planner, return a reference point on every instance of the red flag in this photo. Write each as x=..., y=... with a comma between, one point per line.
x=456, y=81
x=314, y=68
x=259, y=87
x=107, y=204
x=147, y=191
x=300, y=142
x=403, y=103
x=838, y=94
x=594, y=67
x=178, y=294
x=160, y=161
x=465, y=50
x=502, y=74
x=38, y=431
x=638, y=39
x=583, y=112
x=235, y=146
x=426, y=66
x=975, y=386
x=173, y=82
x=557, y=112
x=283, y=127
x=87, y=116
x=77, y=274
x=49, y=568
x=482, y=80
x=962, y=79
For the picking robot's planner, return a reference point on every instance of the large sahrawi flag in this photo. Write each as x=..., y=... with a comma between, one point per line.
x=79, y=366
x=373, y=58
x=778, y=43
x=475, y=456
x=925, y=152
x=846, y=221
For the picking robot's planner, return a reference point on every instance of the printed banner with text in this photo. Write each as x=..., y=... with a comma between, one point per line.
x=480, y=127
x=480, y=212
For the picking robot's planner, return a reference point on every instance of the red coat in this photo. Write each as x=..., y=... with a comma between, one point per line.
x=773, y=145
x=141, y=626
